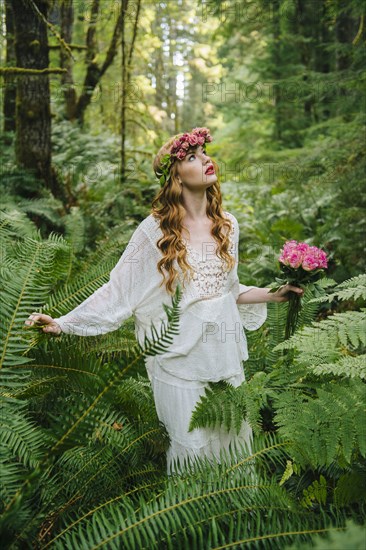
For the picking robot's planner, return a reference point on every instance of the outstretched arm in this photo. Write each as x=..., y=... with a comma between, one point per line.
x=111, y=304
x=261, y=295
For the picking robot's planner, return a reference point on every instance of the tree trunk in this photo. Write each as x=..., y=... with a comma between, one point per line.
x=126, y=68
x=158, y=61
x=33, y=120
x=172, y=77
x=305, y=30
x=123, y=91
x=67, y=82
x=276, y=55
x=346, y=28
x=94, y=72
x=9, y=80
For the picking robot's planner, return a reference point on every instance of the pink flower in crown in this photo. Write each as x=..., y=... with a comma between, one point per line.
x=192, y=140
x=181, y=154
x=185, y=145
x=176, y=144
x=200, y=140
x=201, y=131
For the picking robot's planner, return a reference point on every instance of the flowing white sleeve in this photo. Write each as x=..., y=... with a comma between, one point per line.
x=115, y=301
x=252, y=315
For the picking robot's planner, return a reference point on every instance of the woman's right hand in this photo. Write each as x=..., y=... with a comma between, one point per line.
x=45, y=321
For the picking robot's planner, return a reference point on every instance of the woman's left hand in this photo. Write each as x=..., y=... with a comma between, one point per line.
x=283, y=293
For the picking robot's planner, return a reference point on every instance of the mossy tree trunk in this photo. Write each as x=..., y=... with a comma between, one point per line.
x=67, y=81
x=33, y=117
x=9, y=80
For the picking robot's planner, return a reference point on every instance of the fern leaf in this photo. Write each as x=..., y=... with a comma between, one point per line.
x=351, y=289
x=351, y=367
x=25, y=289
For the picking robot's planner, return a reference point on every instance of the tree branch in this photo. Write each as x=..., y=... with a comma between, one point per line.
x=51, y=27
x=21, y=70
x=135, y=27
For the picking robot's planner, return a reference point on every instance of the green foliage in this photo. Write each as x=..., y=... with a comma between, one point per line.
x=352, y=289
x=315, y=396
x=217, y=508
x=317, y=492
x=29, y=269
x=331, y=422
x=352, y=537
x=83, y=441
x=73, y=428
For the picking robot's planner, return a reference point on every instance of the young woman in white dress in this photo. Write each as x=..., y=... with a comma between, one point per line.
x=188, y=239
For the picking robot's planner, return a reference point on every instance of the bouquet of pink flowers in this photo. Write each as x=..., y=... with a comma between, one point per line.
x=300, y=264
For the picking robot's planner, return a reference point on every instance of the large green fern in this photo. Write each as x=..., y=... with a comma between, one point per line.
x=29, y=270
x=84, y=453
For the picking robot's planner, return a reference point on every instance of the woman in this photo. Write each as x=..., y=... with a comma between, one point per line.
x=187, y=239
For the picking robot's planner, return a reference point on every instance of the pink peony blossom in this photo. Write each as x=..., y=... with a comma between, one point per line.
x=295, y=259
x=296, y=254
x=310, y=263
x=181, y=154
x=302, y=247
x=192, y=140
x=200, y=140
x=323, y=260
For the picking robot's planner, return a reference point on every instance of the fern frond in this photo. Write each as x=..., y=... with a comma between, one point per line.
x=331, y=422
x=351, y=289
x=72, y=294
x=219, y=406
x=227, y=406
x=136, y=399
x=277, y=314
x=217, y=506
x=16, y=224
x=351, y=367
x=19, y=436
x=350, y=487
x=319, y=342
x=157, y=343
x=111, y=346
x=33, y=267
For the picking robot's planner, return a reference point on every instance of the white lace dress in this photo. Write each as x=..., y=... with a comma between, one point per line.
x=211, y=344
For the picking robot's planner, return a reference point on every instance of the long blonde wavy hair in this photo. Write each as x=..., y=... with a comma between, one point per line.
x=168, y=210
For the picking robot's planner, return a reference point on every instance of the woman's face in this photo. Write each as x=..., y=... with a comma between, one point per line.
x=196, y=169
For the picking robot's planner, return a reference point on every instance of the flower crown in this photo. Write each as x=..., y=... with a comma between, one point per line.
x=179, y=150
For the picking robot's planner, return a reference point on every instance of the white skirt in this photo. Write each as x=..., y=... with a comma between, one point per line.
x=175, y=400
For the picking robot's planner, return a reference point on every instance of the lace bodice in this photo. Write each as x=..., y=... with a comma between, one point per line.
x=209, y=276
